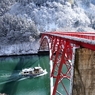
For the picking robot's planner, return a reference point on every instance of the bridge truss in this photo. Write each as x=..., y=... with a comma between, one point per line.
x=61, y=46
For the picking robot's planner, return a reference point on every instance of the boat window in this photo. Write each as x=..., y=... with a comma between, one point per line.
x=25, y=72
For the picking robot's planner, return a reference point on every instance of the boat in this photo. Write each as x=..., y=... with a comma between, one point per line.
x=33, y=72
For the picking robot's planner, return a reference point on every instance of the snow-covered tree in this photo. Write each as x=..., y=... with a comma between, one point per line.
x=37, y=2
x=5, y=5
x=93, y=1
x=83, y=2
x=16, y=28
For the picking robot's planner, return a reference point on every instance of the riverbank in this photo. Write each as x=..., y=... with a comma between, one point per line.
x=20, y=49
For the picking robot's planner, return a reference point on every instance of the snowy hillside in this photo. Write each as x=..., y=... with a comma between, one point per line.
x=21, y=21
x=57, y=15
x=46, y=15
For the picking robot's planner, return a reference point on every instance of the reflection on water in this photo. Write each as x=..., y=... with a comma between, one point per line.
x=13, y=84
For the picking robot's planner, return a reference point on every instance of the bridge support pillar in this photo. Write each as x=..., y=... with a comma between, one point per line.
x=84, y=72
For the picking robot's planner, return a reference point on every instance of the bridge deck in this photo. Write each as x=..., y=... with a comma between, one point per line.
x=83, y=39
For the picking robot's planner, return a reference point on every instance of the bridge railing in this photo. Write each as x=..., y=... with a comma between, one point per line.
x=90, y=36
x=83, y=39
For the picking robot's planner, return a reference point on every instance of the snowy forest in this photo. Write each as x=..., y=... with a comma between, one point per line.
x=23, y=20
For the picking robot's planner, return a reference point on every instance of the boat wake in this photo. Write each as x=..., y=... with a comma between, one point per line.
x=7, y=78
x=12, y=80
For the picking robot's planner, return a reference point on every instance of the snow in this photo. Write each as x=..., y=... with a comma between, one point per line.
x=55, y=15
x=19, y=49
x=51, y=16
x=91, y=10
x=78, y=39
x=14, y=8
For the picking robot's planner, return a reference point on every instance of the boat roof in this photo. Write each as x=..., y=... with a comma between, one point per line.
x=31, y=69
x=37, y=67
x=27, y=69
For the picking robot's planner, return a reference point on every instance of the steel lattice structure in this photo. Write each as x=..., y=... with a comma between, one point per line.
x=61, y=45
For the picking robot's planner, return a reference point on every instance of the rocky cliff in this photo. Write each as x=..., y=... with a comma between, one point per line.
x=84, y=72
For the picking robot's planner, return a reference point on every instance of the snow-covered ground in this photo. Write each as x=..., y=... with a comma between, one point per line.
x=19, y=49
x=23, y=20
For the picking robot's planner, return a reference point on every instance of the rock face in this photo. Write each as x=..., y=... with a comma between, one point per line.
x=84, y=72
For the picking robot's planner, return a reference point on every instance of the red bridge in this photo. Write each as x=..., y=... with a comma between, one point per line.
x=62, y=47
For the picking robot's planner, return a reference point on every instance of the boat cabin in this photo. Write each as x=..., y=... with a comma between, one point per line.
x=37, y=69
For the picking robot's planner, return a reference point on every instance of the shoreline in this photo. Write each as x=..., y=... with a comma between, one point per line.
x=42, y=53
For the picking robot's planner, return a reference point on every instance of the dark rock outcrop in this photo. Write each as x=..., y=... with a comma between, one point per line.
x=84, y=72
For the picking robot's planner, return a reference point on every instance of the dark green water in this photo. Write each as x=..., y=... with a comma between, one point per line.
x=12, y=84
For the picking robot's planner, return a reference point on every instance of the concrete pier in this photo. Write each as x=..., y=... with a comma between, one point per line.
x=84, y=72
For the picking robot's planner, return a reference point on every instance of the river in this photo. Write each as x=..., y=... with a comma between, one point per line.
x=12, y=84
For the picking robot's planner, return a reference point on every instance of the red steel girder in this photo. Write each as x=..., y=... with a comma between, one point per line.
x=64, y=42
x=86, y=35
x=83, y=39
x=59, y=75
x=58, y=47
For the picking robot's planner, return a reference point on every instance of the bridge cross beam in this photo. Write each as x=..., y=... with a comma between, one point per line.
x=57, y=51
x=61, y=75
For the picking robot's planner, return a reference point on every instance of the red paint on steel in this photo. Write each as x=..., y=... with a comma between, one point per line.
x=56, y=56
x=62, y=44
x=54, y=41
x=83, y=39
x=59, y=70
